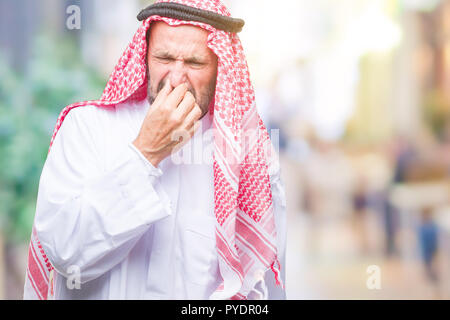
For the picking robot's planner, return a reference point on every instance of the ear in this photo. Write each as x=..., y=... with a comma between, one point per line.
x=147, y=39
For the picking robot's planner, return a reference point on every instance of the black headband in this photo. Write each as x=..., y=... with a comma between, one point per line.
x=183, y=12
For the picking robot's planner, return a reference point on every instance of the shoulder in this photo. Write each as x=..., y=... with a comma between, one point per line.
x=106, y=115
x=89, y=115
x=83, y=124
x=101, y=122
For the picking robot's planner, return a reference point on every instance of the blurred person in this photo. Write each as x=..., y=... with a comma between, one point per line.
x=403, y=154
x=360, y=211
x=118, y=218
x=428, y=241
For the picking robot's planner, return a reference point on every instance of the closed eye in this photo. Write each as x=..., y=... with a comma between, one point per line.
x=196, y=63
x=164, y=59
x=192, y=62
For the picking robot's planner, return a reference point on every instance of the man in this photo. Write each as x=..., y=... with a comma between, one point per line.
x=123, y=213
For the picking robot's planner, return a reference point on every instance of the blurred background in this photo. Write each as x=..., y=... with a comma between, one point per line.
x=358, y=89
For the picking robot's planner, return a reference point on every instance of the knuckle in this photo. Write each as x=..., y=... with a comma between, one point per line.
x=198, y=111
x=189, y=95
x=164, y=108
x=189, y=98
x=175, y=119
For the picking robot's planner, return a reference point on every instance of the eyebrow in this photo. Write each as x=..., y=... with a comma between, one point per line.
x=167, y=55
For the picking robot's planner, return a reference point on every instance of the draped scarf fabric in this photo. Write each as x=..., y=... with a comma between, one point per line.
x=243, y=158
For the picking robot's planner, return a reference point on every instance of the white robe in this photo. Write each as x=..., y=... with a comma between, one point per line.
x=124, y=229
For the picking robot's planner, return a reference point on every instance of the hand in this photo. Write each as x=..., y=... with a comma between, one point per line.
x=169, y=123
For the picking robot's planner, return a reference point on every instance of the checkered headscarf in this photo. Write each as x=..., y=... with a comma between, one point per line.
x=243, y=159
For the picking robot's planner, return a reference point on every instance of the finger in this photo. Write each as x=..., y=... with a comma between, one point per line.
x=194, y=128
x=185, y=106
x=192, y=117
x=163, y=93
x=183, y=136
x=175, y=97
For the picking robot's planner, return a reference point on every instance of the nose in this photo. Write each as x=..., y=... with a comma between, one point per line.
x=177, y=74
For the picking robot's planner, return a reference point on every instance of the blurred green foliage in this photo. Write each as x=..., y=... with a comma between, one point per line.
x=30, y=103
x=436, y=110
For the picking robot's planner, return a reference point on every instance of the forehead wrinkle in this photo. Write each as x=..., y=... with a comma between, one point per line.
x=173, y=50
x=178, y=45
x=163, y=53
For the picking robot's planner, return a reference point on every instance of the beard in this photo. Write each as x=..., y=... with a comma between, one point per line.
x=203, y=98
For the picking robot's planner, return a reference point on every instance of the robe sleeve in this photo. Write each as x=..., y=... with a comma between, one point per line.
x=88, y=217
x=275, y=292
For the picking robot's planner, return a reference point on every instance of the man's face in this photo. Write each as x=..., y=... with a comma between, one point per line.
x=180, y=54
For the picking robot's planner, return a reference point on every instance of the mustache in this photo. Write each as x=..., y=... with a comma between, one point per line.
x=162, y=83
